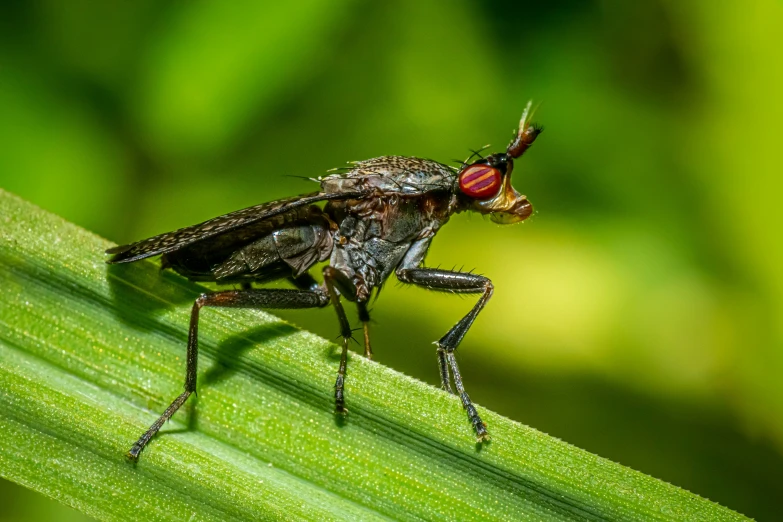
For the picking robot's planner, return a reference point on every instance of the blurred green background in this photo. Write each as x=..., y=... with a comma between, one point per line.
x=637, y=314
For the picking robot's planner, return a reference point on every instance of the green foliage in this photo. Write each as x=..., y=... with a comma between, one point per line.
x=636, y=315
x=91, y=353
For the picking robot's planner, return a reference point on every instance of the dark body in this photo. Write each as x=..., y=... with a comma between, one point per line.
x=398, y=202
x=378, y=218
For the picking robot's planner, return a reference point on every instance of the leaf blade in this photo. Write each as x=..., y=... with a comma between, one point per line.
x=103, y=349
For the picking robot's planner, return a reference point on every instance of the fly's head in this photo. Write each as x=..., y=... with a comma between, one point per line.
x=487, y=182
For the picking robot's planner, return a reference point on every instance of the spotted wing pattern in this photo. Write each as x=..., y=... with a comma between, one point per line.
x=171, y=241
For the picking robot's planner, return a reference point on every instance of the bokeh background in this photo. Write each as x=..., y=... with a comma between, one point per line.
x=637, y=314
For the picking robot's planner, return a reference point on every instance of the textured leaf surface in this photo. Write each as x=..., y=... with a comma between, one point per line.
x=91, y=353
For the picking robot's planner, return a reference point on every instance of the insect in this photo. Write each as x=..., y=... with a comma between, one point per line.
x=379, y=217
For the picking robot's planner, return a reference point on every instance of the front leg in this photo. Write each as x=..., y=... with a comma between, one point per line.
x=461, y=283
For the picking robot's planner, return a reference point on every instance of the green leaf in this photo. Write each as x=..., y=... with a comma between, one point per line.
x=90, y=354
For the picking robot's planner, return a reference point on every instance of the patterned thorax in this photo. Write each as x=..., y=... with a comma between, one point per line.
x=392, y=174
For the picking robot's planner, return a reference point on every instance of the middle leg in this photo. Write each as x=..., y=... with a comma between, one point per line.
x=335, y=281
x=333, y=278
x=364, y=317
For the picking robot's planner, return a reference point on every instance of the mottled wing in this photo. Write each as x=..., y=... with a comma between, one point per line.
x=171, y=241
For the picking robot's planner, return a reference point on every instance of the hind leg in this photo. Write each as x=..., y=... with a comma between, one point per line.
x=264, y=298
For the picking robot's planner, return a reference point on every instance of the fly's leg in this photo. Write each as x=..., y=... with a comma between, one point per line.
x=347, y=289
x=461, y=283
x=336, y=281
x=305, y=282
x=265, y=298
x=445, y=376
x=364, y=317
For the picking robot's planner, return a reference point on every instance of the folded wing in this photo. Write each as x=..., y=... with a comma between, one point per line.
x=172, y=241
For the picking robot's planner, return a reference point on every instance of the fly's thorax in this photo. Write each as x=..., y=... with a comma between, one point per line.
x=374, y=234
x=388, y=175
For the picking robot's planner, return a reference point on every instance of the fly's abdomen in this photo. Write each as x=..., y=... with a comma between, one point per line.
x=298, y=247
x=288, y=249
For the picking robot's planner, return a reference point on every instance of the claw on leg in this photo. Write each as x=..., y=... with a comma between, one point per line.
x=478, y=425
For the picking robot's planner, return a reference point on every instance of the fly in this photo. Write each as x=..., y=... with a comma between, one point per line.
x=379, y=217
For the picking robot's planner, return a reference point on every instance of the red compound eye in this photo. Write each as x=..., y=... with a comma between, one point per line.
x=479, y=181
